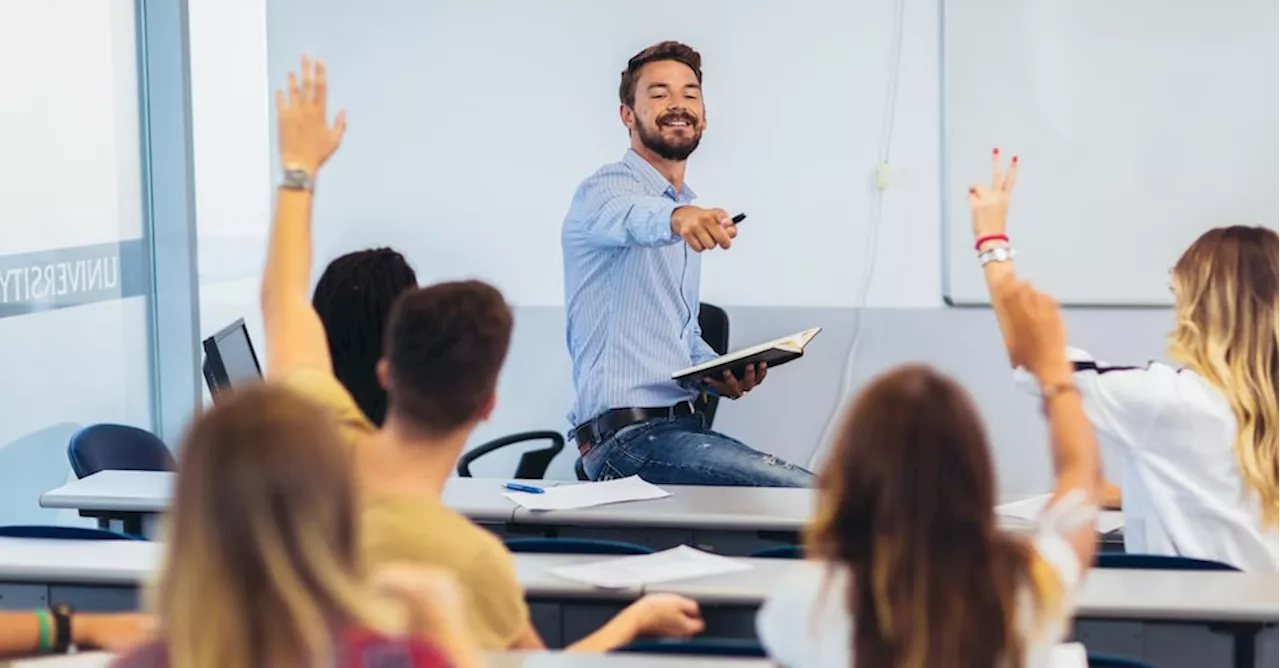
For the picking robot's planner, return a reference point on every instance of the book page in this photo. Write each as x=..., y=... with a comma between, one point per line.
x=793, y=343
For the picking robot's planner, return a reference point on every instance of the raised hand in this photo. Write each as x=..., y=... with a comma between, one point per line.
x=306, y=138
x=990, y=204
x=703, y=229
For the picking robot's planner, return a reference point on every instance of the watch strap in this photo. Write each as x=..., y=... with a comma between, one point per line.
x=996, y=254
x=298, y=179
x=61, y=628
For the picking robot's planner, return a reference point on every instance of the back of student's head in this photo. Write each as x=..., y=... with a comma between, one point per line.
x=1225, y=286
x=445, y=347
x=906, y=502
x=354, y=299
x=261, y=550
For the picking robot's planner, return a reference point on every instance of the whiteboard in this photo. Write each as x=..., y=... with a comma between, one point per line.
x=1139, y=125
x=473, y=121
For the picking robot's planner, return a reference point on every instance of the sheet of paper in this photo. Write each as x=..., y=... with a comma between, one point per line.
x=678, y=563
x=1030, y=509
x=587, y=494
x=1068, y=655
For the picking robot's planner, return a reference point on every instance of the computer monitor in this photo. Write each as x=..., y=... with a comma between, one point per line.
x=229, y=359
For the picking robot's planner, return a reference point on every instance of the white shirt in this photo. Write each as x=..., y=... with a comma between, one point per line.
x=1183, y=490
x=806, y=622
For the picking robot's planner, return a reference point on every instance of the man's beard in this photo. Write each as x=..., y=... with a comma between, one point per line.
x=671, y=149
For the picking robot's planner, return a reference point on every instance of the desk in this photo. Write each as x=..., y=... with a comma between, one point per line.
x=138, y=498
x=89, y=575
x=734, y=521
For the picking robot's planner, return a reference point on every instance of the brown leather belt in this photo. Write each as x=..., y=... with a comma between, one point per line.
x=610, y=422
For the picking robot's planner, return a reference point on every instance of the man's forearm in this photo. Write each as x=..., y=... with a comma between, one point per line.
x=288, y=269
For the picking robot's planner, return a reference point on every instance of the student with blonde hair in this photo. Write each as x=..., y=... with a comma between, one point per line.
x=918, y=572
x=262, y=560
x=1199, y=443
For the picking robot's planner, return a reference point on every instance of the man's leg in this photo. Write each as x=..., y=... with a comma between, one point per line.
x=682, y=452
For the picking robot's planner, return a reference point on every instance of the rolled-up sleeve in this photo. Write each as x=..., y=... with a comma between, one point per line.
x=613, y=208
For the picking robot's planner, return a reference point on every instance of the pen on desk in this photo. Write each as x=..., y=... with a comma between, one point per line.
x=528, y=489
x=739, y=218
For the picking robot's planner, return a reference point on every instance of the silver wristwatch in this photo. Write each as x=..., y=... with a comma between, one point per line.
x=996, y=254
x=298, y=179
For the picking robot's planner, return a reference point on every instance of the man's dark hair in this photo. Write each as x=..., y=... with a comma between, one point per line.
x=669, y=50
x=446, y=344
x=354, y=299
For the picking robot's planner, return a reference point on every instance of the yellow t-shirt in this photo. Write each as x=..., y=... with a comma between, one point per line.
x=419, y=529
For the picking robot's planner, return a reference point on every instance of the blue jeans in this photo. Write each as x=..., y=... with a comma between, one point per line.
x=684, y=452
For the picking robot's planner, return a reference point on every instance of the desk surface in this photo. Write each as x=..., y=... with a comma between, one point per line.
x=149, y=492
x=112, y=562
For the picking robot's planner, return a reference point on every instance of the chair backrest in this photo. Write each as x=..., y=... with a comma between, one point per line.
x=533, y=464
x=1105, y=661
x=574, y=546
x=50, y=531
x=117, y=447
x=1158, y=562
x=780, y=552
x=697, y=647
x=714, y=323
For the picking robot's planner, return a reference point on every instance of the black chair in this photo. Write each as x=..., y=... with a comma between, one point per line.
x=574, y=546
x=715, y=331
x=117, y=447
x=54, y=532
x=1158, y=562
x=697, y=647
x=533, y=464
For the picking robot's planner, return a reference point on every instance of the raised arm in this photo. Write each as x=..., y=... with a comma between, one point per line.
x=1035, y=323
x=295, y=335
x=990, y=207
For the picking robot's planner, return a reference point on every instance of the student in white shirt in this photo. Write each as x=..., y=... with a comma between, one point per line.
x=1199, y=443
x=918, y=573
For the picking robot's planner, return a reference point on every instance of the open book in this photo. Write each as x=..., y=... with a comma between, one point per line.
x=774, y=353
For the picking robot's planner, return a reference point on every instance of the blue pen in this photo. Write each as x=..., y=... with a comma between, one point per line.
x=517, y=487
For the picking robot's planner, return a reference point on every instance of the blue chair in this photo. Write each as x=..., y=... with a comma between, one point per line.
x=1105, y=661
x=62, y=533
x=780, y=552
x=574, y=546
x=697, y=647
x=1158, y=562
x=117, y=447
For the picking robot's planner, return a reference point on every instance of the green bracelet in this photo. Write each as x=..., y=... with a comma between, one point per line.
x=45, y=619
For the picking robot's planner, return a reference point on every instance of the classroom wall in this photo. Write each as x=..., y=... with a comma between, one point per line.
x=906, y=319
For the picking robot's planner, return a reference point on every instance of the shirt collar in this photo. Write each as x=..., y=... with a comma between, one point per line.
x=653, y=178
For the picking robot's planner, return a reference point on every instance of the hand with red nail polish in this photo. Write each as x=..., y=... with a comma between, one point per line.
x=990, y=204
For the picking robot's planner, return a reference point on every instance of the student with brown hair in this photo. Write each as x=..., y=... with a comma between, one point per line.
x=1201, y=460
x=918, y=572
x=444, y=348
x=262, y=564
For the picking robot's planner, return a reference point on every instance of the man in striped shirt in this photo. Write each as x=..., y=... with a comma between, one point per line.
x=632, y=240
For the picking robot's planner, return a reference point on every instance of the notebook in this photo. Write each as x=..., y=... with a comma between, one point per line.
x=774, y=353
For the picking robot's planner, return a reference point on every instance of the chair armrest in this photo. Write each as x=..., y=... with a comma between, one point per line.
x=556, y=438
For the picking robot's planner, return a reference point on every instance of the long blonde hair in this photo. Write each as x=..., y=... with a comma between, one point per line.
x=904, y=502
x=1226, y=288
x=261, y=559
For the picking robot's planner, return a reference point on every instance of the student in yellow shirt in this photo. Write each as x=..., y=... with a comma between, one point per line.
x=444, y=348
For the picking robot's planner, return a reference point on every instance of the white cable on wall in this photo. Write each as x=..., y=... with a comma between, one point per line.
x=873, y=228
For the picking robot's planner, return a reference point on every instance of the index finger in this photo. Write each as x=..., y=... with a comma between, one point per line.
x=320, y=87
x=996, y=176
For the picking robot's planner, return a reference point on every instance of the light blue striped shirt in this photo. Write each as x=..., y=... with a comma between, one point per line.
x=630, y=291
